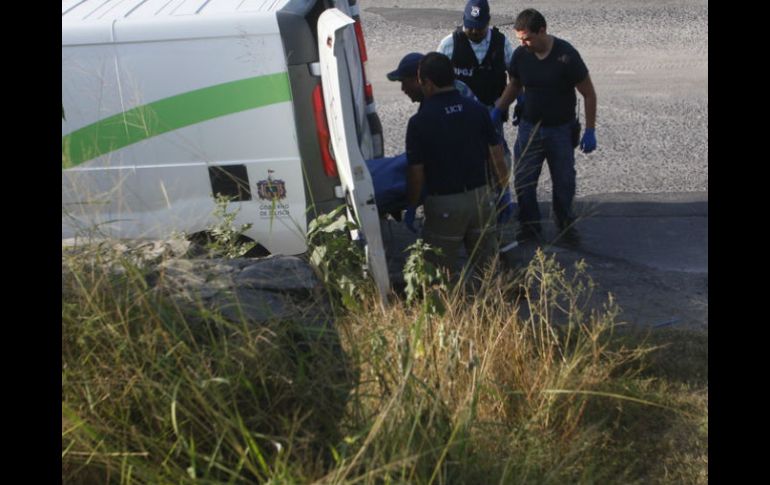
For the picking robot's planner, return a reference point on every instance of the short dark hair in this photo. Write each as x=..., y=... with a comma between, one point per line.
x=438, y=68
x=529, y=19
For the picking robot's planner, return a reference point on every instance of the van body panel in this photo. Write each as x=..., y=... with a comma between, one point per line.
x=146, y=121
x=319, y=187
x=354, y=175
x=163, y=120
x=143, y=9
x=164, y=100
x=299, y=43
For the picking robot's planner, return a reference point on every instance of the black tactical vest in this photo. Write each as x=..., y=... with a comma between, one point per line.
x=487, y=80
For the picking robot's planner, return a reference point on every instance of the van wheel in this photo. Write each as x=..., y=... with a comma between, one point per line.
x=201, y=239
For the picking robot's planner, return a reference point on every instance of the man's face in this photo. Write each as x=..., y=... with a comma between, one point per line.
x=476, y=35
x=533, y=42
x=411, y=87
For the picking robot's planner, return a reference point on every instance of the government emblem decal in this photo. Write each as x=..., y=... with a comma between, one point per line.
x=271, y=189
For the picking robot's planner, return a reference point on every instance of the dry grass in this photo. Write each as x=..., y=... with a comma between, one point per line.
x=518, y=381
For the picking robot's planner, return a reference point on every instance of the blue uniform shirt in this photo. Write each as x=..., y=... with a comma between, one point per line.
x=450, y=136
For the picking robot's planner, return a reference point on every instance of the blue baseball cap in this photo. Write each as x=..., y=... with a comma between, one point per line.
x=407, y=67
x=476, y=15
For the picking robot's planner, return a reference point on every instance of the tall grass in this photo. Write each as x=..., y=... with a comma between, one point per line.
x=520, y=380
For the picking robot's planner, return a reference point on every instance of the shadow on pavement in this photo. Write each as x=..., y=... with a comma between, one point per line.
x=650, y=251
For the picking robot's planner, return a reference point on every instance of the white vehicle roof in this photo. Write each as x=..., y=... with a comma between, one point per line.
x=84, y=10
x=115, y=21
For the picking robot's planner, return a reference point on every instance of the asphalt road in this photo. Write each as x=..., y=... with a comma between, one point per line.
x=642, y=196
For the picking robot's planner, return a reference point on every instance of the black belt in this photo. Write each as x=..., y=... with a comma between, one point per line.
x=549, y=125
x=456, y=191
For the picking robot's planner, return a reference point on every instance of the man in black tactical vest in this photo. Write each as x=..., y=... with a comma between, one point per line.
x=479, y=54
x=480, y=57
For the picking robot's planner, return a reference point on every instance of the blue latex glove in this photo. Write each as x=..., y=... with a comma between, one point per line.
x=409, y=218
x=588, y=142
x=497, y=116
x=504, y=207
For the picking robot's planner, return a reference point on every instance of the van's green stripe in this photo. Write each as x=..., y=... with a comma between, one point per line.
x=172, y=113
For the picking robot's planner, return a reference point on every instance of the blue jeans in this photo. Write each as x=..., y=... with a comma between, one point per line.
x=553, y=144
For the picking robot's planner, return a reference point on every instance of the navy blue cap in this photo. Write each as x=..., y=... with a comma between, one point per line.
x=476, y=15
x=407, y=67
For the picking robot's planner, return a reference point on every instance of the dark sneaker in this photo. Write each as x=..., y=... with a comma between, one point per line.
x=569, y=237
x=529, y=233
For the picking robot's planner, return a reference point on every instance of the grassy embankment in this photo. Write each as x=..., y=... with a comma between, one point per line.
x=521, y=381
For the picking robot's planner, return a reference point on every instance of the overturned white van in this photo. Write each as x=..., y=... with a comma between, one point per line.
x=167, y=103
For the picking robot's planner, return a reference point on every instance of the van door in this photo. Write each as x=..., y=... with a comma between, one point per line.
x=336, y=65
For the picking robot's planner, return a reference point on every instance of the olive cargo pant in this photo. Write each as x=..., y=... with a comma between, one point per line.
x=466, y=217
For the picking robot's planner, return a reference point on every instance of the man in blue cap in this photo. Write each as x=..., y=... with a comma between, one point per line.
x=406, y=73
x=451, y=148
x=480, y=56
x=389, y=174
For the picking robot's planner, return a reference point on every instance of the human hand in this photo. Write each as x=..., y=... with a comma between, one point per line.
x=504, y=207
x=409, y=218
x=588, y=142
x=497, y=116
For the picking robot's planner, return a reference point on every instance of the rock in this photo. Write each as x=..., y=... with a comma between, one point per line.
x=279, y=273
x=256, y=290
x=253, y=305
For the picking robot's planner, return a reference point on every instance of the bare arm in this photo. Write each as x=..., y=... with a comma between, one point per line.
x=586, y=89
x=512, y=89
x=498, y=164
x=415, y=177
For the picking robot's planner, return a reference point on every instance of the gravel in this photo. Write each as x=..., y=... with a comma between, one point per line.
x=648, y=61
